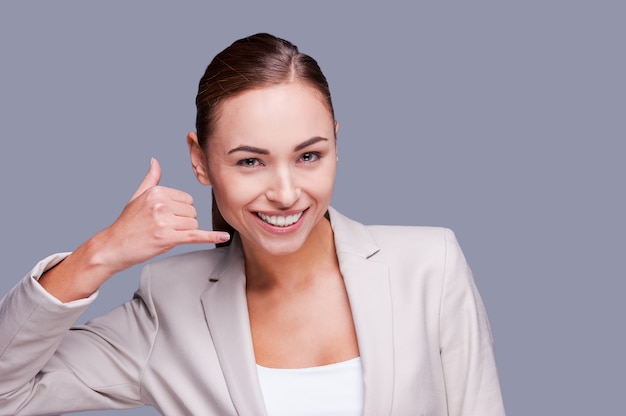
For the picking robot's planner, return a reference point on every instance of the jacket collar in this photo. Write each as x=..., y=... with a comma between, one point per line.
x=366, y=278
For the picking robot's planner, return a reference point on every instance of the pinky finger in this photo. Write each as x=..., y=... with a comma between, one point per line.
x=204, y=237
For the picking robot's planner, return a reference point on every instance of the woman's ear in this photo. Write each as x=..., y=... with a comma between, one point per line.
x=198, y=161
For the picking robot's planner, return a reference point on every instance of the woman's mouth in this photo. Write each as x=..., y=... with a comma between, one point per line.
x=280, y=220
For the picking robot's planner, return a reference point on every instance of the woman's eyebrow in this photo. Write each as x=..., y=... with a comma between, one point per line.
x=309, y=142
x=258, y=150
x=250, y=149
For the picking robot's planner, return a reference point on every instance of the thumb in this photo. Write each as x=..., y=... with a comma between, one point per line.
x=151, y=179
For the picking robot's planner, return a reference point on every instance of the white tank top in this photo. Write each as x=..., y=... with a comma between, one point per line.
x=334, y=389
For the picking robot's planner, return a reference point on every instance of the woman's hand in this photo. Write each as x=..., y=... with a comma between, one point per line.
x=155, y=220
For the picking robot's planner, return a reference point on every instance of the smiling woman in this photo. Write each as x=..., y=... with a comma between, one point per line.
x=248, y=64
x=300, y=310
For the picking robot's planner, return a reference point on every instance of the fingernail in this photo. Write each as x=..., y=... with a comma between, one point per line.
x=223, y=237
x=151, y=161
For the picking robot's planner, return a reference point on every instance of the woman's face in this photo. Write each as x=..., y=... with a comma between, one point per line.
x=272, y=164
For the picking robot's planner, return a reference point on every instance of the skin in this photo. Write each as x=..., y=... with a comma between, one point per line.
x=274, y=152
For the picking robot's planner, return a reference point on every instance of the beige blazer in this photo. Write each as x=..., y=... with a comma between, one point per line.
x=183, y=343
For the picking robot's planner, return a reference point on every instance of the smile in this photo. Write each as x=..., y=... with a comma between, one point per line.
x=279, y=220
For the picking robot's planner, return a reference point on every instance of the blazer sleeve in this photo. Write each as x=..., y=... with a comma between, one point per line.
x=466, y=343
x=47, y=366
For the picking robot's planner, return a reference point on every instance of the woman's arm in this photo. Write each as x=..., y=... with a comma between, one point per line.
x=36, y=349
x=467, y=355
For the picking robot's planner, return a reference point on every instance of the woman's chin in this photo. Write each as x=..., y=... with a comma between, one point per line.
x=275, y=247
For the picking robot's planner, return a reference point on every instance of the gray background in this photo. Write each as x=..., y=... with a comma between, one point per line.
x=503, y=121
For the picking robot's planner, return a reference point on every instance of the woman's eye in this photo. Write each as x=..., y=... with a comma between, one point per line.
x=249, y=162
x=309, y=157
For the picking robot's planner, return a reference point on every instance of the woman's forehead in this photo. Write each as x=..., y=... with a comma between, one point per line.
x=288, y=111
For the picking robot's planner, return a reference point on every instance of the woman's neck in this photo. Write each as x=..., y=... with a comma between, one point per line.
x=296, y=270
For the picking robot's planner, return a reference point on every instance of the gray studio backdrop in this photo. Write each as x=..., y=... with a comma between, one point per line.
x=501, y=120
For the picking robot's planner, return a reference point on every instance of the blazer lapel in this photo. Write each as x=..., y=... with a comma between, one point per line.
x=367, y=282
x=226, y=311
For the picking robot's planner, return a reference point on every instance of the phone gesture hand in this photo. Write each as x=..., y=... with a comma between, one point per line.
x=155, y=220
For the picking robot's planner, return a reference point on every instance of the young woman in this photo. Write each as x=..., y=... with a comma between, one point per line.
x=299, y=311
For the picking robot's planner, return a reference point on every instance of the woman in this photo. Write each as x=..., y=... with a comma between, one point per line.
x=300, y=310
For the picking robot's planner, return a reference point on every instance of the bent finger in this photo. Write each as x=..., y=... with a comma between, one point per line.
x=183, y=210
x=178, y=195
x=185, y=224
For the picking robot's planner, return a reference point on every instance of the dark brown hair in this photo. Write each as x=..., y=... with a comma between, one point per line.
x=253, y=62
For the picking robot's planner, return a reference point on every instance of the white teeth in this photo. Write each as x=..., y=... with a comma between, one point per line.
x=279, y=220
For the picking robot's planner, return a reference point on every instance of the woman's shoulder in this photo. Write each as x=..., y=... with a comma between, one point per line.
x=399, y=246
x=415, y=244
x=396, y=237
x=414, y=233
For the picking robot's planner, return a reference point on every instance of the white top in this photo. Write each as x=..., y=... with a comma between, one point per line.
x=334, y=389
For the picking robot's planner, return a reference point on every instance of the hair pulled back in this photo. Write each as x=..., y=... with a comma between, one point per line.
x=256, y=61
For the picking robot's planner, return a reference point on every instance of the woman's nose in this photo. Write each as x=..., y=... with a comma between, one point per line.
x=283, y=189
